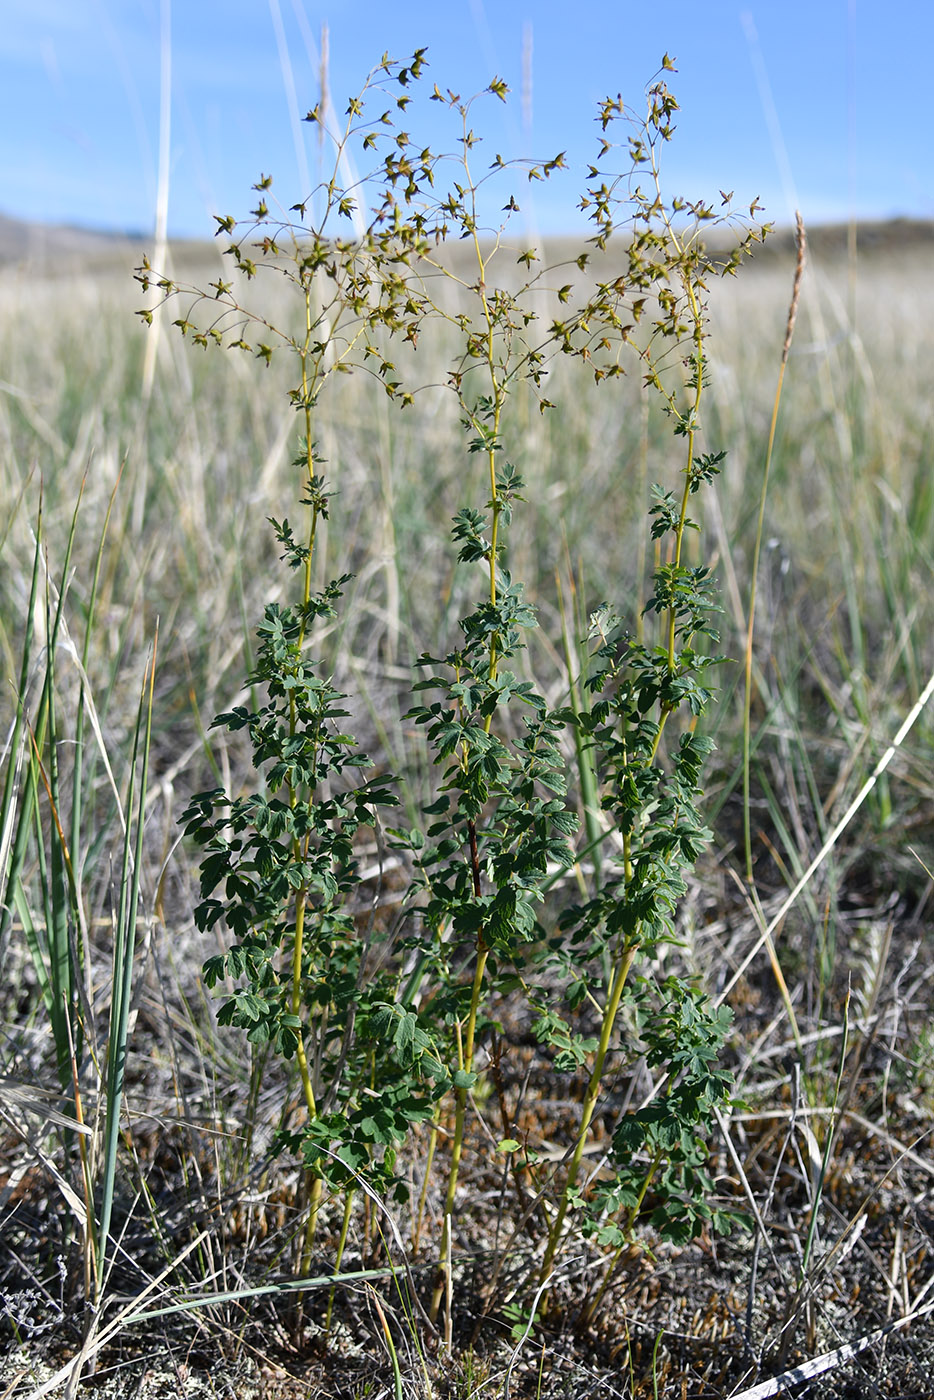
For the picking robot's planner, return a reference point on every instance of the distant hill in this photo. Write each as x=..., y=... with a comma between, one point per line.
x=879, y=237
x=47, y=249
x=42, y=247
x=50, y=249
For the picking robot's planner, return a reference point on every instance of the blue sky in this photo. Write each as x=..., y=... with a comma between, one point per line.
x=819, y=102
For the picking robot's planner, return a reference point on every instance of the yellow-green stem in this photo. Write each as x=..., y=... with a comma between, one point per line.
x=460, y=1112
x=692, y=429
x=315, y=1190
x=686, y=492
x=590, y=1311
x=299, y=851
x=309, y=460
x=466, y=1056
x=590, y=1103
x=423, y=1194
x=494, y=499
x=498, y=400
x=296, y=1002
x=341, y=1245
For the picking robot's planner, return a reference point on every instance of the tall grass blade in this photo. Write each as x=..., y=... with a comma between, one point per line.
x=15, y=749
x=58, y=894
x=754, y=572
x=52, y=947
x=81, y=778
x=124, y=947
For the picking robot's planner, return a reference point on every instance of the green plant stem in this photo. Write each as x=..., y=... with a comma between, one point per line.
x=296, y=1001
x=685, y=494
x=460, y=1112
x=590, y=1102
x=301, y=895
x=587, y=778
x=698, y=337
x=423, y=1193
x=466, y=1058
x=499, y=397
x=309, y=459
x=341, y=1245
x=590, y=1311
x=315, y=1192
x=314, y=1182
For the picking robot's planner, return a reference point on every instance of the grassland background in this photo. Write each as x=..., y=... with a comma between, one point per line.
x=845, y=643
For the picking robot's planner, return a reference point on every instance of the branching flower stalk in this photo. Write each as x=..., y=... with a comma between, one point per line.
x=480, y=889
x=466, y=1043
x=286, y=866
x=653, y=801
x=300, y=848
x=624, y=955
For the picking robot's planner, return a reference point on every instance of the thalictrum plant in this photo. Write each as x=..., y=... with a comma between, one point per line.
x=389, y=1027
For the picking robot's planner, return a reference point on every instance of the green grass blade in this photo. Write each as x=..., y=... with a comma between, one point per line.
x=124, y=947
x=78, y=771
x=14, y=756
x=12, y=845
x=52, y=881
x=58, y=899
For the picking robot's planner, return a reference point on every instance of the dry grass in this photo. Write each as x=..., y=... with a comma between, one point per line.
x=830, y=1154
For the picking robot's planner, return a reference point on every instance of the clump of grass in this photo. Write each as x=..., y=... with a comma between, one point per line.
x=45, y=862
